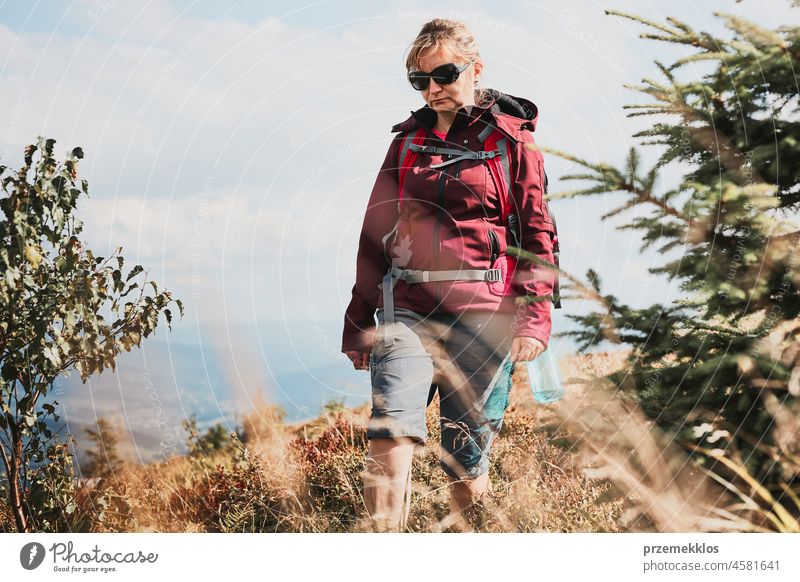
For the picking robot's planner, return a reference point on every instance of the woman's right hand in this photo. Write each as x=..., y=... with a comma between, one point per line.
x=360, y=360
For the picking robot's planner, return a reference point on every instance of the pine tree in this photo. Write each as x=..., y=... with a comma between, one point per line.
x=104, y=459
x=720, y=368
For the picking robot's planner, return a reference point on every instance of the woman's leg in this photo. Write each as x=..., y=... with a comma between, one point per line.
x=472, y=409
x=401, y=377
x=387, y=482
x=466, y=496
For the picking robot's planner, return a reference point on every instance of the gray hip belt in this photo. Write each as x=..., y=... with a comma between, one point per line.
x=418, y=276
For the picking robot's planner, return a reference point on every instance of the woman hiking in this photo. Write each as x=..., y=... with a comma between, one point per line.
x=458, y=186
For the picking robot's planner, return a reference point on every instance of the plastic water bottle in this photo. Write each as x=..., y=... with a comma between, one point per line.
x=543, y=374
x=545, y=378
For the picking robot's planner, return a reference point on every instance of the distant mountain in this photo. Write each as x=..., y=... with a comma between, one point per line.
x=217, y=374
x=217, y=378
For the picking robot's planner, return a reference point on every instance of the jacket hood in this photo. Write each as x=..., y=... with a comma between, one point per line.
x=519, y=107
x=511, y=113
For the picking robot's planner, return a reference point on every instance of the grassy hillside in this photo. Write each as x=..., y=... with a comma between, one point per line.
x=588, y=463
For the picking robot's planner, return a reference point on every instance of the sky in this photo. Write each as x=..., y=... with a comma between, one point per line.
x=231, y=148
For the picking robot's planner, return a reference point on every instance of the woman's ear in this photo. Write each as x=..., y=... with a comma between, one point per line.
x=477, y=69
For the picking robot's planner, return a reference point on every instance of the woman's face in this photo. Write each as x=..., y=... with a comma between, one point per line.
x=455, y=95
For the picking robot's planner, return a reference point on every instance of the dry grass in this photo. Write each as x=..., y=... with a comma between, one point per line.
x=588, y=463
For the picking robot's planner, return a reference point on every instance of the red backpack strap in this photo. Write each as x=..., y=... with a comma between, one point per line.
x=407, y=157
x=500, y=170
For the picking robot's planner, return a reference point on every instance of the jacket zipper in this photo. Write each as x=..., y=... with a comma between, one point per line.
x=439, y=220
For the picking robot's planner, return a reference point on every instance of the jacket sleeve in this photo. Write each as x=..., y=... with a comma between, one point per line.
x=379, y=219
x=537, y=232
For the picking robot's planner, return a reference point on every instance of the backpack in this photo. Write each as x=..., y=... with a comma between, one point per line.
x=496, y=151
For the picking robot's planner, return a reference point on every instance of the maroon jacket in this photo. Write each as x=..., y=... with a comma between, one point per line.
x=445, y=222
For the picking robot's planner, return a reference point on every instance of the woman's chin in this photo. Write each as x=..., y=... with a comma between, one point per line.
x=442, y=105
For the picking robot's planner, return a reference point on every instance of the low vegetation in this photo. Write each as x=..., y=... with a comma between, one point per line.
x=589, y=463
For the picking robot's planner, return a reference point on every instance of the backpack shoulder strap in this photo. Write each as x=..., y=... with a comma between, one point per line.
x=407, y=156
x=500, y=170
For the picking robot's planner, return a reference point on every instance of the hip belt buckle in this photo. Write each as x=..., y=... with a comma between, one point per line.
x=494, y=275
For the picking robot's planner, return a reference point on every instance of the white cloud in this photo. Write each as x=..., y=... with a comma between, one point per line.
x=163, y=103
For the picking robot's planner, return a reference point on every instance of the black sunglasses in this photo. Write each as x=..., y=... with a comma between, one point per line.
x=443, y=74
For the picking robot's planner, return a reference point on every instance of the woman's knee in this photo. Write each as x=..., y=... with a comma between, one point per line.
x=390, y=454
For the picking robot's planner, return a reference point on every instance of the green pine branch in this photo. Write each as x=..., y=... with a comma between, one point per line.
x=610, y=179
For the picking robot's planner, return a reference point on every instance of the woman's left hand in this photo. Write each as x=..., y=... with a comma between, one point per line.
x=524, y=349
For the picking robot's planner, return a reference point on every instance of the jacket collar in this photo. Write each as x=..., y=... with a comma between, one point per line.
x=507, y=113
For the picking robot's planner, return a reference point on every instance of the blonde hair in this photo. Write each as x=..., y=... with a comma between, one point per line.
x=449, y=34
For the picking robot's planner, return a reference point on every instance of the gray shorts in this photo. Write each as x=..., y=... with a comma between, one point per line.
x=456, y=354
